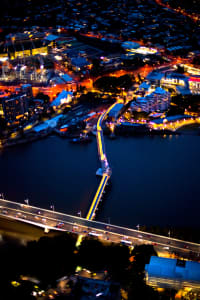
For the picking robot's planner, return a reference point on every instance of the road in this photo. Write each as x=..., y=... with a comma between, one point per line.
x=107, y=232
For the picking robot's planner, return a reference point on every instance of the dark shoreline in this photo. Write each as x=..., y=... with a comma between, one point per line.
x=119, y=131
x=17, y=229
x=22, y=231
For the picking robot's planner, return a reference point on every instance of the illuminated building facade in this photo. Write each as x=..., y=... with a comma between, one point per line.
x=191, y=69
x=174, y=79
x=194, y=85
x=172, y=273
x=23, y=49
x=13, y=107
x=157, y=101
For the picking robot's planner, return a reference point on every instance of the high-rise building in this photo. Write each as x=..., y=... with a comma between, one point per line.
x=14, y=106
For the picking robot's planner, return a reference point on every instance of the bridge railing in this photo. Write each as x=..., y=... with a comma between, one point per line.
x=92, y=225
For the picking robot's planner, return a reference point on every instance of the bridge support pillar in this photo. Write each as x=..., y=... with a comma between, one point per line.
x=46, y=230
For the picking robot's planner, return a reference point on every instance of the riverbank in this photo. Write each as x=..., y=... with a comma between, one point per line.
x=24, y=140
x=22, y=231
x=120, y=130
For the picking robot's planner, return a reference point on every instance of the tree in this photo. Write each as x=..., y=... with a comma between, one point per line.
x=22, y=292
x=114, y=84
x=43, y=97
x=196, y=60
x=142, y=255
x=137, y=288
x=3, y=125
x=91, y=254
x=106, y=83
x=51, y=258
x=117, y=261
x=96, y=67
x=180, y=69
x=124, y=81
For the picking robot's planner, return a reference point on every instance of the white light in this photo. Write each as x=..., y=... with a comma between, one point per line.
x=99, y=294
x=144, y=50
x=57, y=57
x=3, y=58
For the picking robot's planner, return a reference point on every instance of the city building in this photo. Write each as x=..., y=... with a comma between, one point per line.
x=14, y=106
x=173, y=79
x=158, y=100
x=194, y=84
x=130, y=46
x=191, y=69
x=80, y=63
x=116, y=111
x=64, y=97
x=92, y=289
x=155, y=77
x=13, y=50
x=172, y=273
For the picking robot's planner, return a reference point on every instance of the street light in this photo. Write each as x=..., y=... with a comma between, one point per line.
x=2, y=196
x=26, y=201
x=79, y=213
x=52, y=207
x=138, y=227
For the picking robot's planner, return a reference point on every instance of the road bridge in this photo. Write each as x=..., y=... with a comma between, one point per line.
x=107, y=232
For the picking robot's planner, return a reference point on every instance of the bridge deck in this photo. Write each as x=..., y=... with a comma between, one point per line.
x=39, y=216
x=97, y=198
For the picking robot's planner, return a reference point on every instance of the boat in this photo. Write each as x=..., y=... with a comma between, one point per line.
x=81, y=139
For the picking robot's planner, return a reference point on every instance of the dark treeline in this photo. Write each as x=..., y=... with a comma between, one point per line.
x=182, y=103
x=13, y=7
x=114, y=84
x=50, y=258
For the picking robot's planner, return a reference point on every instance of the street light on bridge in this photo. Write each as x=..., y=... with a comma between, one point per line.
x=52, y=207
x=26, y=201
x=2, y=196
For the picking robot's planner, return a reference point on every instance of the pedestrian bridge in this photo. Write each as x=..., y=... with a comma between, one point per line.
x=105, y=168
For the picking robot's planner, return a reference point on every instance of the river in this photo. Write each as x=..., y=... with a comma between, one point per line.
x=155, y=180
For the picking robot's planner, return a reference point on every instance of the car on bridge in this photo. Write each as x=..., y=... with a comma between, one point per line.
x=126, y=242
x=93, y=233
x=60, y=225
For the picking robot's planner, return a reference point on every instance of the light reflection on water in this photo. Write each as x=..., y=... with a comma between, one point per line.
x=154, y=180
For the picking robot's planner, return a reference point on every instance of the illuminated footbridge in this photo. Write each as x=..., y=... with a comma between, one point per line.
x=105, y=168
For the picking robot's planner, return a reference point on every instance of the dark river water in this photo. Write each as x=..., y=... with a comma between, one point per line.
x=155, y=180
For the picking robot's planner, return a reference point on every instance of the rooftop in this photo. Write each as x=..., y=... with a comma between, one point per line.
x=179, y=270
